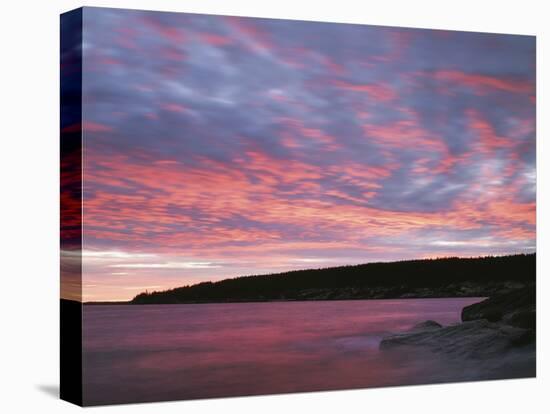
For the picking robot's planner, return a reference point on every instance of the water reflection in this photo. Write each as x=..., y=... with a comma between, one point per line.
x=163, y=352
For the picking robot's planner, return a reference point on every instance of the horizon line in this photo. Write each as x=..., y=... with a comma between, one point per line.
x=115, y=301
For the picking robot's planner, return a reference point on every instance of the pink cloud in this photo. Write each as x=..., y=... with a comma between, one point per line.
x=377, y=91
x=215, y=39
x=250, y=187
x=255, y=38
x=297, y=127
x=174, y=107
x=405, y=133
x=484, y=83
x=488, y=139
x=171, y=34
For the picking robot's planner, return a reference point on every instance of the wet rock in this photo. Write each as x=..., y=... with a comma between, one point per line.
x=428, y=325
x=517, y=307
x=523, y=319
x=495, y=340
x=472, y=339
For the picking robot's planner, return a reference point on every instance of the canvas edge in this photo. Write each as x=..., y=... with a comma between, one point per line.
x=71, y=384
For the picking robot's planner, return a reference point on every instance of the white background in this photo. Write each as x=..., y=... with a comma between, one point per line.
x=29, y=205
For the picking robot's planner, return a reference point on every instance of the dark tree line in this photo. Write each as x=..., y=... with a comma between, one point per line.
x=393, y=278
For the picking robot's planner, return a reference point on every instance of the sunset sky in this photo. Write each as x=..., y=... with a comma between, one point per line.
x=219, y=146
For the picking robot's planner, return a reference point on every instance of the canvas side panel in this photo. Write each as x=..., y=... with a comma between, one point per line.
x=71, y=207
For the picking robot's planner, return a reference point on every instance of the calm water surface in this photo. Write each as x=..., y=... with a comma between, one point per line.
x=163, y=352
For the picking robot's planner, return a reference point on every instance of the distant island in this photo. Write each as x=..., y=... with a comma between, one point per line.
x=426, y=278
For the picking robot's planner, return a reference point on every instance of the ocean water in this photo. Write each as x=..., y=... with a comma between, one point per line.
x=166, y=352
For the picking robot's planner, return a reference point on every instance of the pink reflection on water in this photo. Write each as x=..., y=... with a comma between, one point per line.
x=159, y=352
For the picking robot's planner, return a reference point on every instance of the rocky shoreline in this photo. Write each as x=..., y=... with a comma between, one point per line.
x=496, y=336
x=452, y=290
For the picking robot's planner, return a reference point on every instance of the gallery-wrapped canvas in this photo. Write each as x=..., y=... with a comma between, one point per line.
x=259, y=206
